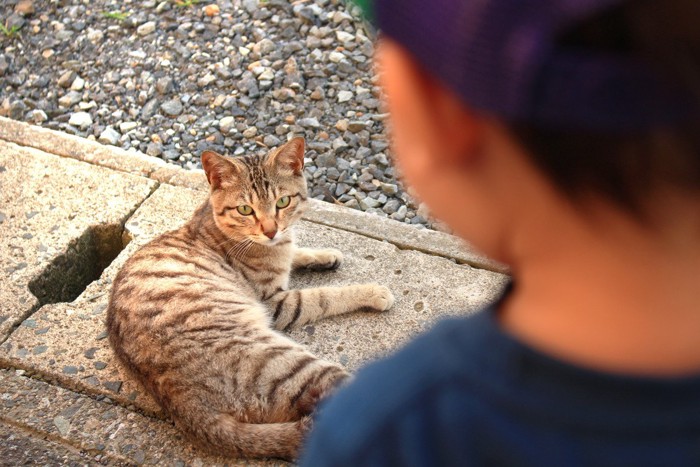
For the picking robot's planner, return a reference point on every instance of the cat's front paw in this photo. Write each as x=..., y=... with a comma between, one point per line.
x=324, y=260
x=378, y=298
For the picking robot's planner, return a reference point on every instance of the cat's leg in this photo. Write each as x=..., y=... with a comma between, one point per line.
x=316, y=259
x=297, y=307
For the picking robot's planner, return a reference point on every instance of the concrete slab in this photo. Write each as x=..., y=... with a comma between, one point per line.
x=426, y=288
x=66, y=342
x=95, y=430
x=52, y=212
x=22, y=447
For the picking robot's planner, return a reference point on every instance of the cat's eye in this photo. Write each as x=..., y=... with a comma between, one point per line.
x=244, y=210
x=283, y=202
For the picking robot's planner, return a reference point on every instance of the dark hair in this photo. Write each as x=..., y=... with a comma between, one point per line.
x=627, y=167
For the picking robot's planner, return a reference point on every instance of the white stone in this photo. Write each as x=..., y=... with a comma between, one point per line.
x=226, y=121
x=78, y=84
x=344, y=36
x=109, y=136
x=140, y=54
x=95, y=35
x=39, y=116
x=126, y=127
x=146, y=28
x=267, y=75
x=80, y=119
x=344, y=96
x=336, y=57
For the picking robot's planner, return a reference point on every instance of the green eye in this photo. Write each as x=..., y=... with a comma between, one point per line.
x=283, y=202
x=245, y=210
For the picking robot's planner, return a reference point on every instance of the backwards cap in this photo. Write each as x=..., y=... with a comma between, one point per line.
x=503, y=58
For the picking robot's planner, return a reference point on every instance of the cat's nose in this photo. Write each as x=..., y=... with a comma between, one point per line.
x=270, y=234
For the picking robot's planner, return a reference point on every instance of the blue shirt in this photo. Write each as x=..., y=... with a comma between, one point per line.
x=467, y=394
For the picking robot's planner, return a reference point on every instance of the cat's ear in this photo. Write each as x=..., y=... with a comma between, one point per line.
x=290, y=156
x=218, y=168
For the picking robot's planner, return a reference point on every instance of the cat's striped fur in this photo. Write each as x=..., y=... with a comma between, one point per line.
x=195, y=314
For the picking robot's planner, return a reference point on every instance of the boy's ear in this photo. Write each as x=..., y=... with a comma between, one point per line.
x=217, y=168
x=290, y=156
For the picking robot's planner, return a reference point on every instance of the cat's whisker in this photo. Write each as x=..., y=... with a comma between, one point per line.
x=239, y=249
x=228, y=240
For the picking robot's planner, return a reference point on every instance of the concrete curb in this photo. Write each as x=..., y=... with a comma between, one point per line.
x=400, y=234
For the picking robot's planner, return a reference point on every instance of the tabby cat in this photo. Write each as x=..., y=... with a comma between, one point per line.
x=195, y=314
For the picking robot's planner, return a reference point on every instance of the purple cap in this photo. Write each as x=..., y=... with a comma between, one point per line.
x=502, y=57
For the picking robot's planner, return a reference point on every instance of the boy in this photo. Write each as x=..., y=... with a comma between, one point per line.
x=562, y=138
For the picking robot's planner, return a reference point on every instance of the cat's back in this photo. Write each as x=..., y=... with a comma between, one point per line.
x=171, y=284
x=175, y=266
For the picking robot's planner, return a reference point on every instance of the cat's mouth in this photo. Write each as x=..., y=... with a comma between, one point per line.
x=261, y=239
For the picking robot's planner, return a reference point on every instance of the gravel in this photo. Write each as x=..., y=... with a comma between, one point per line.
x=235, y=76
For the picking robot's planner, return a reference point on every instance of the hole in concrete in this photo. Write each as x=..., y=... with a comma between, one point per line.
x=83, y=262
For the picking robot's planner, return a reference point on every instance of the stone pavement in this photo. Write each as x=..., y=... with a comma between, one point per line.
x=71, y=213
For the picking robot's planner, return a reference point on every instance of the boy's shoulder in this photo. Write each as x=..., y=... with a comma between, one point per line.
x=466, y=393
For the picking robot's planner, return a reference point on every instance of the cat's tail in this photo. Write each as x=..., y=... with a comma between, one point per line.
x=227, y=436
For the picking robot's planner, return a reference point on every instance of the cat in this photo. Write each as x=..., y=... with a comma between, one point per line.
x=195, y=315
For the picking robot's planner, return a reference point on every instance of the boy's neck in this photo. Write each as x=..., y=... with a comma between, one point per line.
x=611, y=294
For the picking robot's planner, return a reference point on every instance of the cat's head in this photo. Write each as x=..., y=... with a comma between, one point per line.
x=258, y=197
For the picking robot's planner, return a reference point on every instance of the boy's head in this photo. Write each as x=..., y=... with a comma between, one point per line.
x=503, y=109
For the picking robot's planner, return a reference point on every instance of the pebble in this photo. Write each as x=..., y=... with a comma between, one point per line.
x=39, y=116
x=164, y=85
x=146, y=28
x=70, y=99
x=80, y=119
x=326, y=160
x=250, y=132
x=309, y=122
x=126, y=127
x=211, y=10
x=356, y=126
x=154, y=149
x=66, y=79
x=317, y=94
x=78, y=84
x=344, y=96
x=25, y=7
x=344, y=36
x=341, y=125
x=109, y=136
x=172, y=107
x=271, y=141
x=336, y=57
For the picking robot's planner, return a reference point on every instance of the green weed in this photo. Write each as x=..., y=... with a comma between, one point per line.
x=9, y=32
x=186, y=3
x=118, y=15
